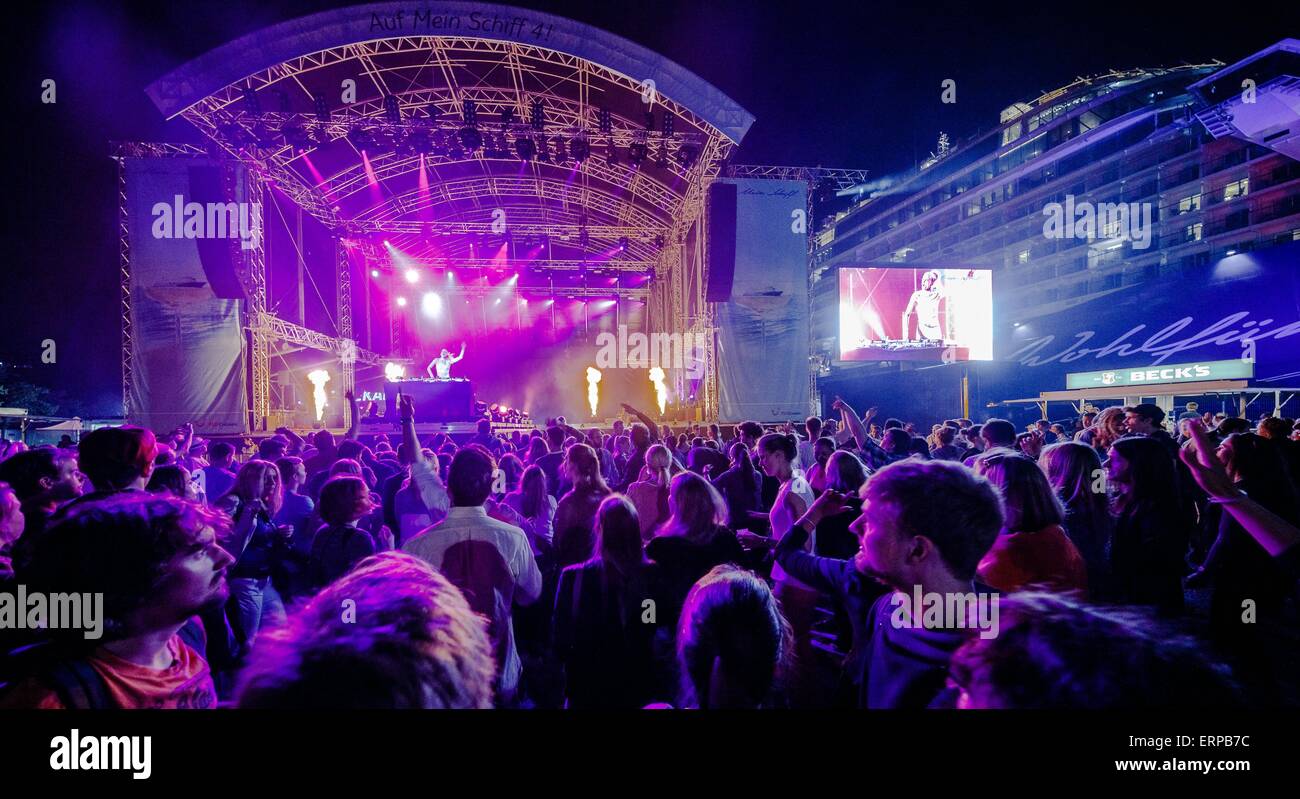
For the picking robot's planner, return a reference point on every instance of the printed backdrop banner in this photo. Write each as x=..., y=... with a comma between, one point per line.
x=187, y=354
x=1244, y=306
x=763, y=330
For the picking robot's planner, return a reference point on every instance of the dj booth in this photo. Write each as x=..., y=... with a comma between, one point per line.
x=435, y=400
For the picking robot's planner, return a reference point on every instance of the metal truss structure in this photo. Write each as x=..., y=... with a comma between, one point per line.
x=452, y=145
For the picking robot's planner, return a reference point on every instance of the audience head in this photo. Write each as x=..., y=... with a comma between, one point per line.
x=776, y=454
x=658, y=461
x=732, y=641
x=293, y=472
x=259, y=481
x=513, y=468
x=750, y=433
x=896, y=441
x=117, y=458
x=1143, y=419
x=618, y=534
x=696, y=509
x=845, y=473
x=1142, y=473
x=156, y=560
x=533, y=488
x=344, y=500
x=12, y=520
x=1028, y=502
x=273, y=448
x=582, y=466
x=223, y=454
x=1275, y=428
x=469, y=478
x=924, y=519
x=1053, y=651
x=998, y=433
x=172, y=479
x=42, y=476
x=822, y=449
x=413, y=643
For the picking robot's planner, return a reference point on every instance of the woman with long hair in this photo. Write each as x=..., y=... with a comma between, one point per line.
x=1106, y=429
x=1237, y=567
x=1148, y=546
x=601, y=633
x=741, y=486
x=649, y=494
x=257, y=545
x=845, y=474
x=733, y=643
x=1032, y=549
x=513, y=469
x=533, y=501
x=172, y=479
x=575, y=515
x=798, y=600
x=1075, y=474
x=536, y=449
x=693, y=540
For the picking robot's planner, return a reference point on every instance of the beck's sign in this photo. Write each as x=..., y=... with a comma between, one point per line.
x=1164, y=373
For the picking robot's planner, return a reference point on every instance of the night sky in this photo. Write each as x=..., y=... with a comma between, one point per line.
x=857, y=86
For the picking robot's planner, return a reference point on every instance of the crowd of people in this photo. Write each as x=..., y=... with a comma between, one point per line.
x=646, y=566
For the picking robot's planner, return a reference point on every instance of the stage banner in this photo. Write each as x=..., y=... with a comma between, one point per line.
x=1244, y=307
x=762, y=346
x=187, y=342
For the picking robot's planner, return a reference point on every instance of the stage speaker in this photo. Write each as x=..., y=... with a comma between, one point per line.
x=722, y=241
x=217, y=255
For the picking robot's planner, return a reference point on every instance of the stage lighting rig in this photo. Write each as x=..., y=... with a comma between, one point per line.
x=392, y=111
x=606, y=121
x=538, y=117
x=470, y=114
x=526, y=148
x=471, y=138
x=322, y=109
x=580, y=149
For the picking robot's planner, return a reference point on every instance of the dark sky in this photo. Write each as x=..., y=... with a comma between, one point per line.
x=854, y=85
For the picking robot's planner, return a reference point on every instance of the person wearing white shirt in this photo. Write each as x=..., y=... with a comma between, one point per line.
x=489, y=560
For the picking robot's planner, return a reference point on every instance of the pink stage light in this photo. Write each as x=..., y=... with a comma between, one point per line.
x=401, y=302
x=412, y=276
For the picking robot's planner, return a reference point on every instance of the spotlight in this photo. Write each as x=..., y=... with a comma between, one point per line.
x=412, y=276
x=543, y=151
x=649, y=120
x=606, y=121
x=470, y=114
x=431, y=304
x=636, y=154
x=622, y=244
x=525, y=147
x=668, y=124
x=297, y=136
x=611, y=154
x=507, y=117
x=392, y=111
x=538, y=116
x=659, y=241
x=580, y=149
x=362, y=138
x=471, y=138
x=401, y=302
x=374, y=273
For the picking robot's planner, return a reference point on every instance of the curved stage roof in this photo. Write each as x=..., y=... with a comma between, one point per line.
x=396, y=159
